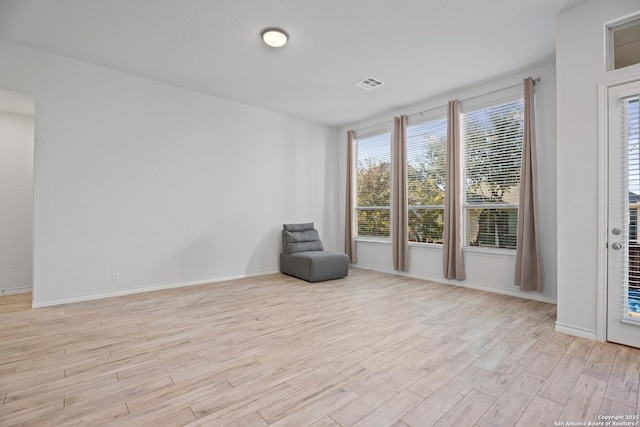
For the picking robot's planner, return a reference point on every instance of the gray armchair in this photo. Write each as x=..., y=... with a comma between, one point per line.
x=303, y=255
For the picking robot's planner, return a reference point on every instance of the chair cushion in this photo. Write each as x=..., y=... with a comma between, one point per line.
x=298, y=227
x=301, y=241
x=315, y=266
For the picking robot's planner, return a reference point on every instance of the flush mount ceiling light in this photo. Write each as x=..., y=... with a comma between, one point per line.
x=274, y=37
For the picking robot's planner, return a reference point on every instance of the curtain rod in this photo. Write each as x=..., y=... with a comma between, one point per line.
x=537, y=79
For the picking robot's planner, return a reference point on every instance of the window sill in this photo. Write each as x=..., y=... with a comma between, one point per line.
x=490, y=252
x=425, y=245
x=379, y=240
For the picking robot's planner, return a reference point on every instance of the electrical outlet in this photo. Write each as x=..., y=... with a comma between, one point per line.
x=115, y=277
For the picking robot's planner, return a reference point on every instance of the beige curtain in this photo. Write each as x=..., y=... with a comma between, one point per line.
x=350, y=220
x=399, y=243
x=527, y=251
x=453, y=261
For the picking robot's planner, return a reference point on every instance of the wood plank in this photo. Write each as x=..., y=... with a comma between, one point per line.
x=189, y=393
x=317, y=409
x=503, y=375
x=112, y=393
x=489, y=340
x=532, y=347
x=441, y=375
x=511, y=405
x=580, y=348
x=611, y=407
x=467, y=411
x=342, y=369
x=543, y=365
x=178, y=418
x=492, y=358
x=440, y=402
x=82, y=416
x=585, y=399
x=255, y=420
x=58, y=388
x=600, y=360
x=372, y=378
x=624, y=379
x=326, y=422
x=26, y=414
x=541, y=412
x=221, y=401
x=560, y=383
x=368, y=402
x=392, y=410
x=247, y=406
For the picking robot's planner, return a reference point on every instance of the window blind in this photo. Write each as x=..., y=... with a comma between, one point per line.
x=426, y=150
x=631, y=198
x=374, y=185
x=492, y=151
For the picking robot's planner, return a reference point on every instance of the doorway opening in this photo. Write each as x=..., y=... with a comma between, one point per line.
x=17, y=130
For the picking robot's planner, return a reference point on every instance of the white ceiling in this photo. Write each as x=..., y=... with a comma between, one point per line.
x=418, y=48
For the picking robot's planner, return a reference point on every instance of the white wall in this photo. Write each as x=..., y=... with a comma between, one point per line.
x=16, y=202
x=161, y=185
x=487, y=270
x=580, y=58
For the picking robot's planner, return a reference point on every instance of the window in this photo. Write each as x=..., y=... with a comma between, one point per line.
x=492, y=146
x=374, y=185
x=426, y=150
x=624, y=44
x=631, y=265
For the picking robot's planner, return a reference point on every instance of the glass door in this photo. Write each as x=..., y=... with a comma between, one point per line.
x=623, y=256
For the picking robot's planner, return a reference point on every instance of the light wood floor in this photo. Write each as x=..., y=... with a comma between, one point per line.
x=369, y=350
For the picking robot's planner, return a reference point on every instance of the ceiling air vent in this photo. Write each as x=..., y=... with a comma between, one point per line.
x=369, y=83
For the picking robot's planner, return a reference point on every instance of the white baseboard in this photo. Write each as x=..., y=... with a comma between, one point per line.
x=15, y=291
x=514, y=293
x=159, y=287
x=576, y=331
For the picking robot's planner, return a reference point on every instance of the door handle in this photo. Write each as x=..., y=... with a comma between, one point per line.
x=617, y=246
x=616, y=231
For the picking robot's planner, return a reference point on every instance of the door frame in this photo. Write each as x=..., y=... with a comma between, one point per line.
x=613, y=78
